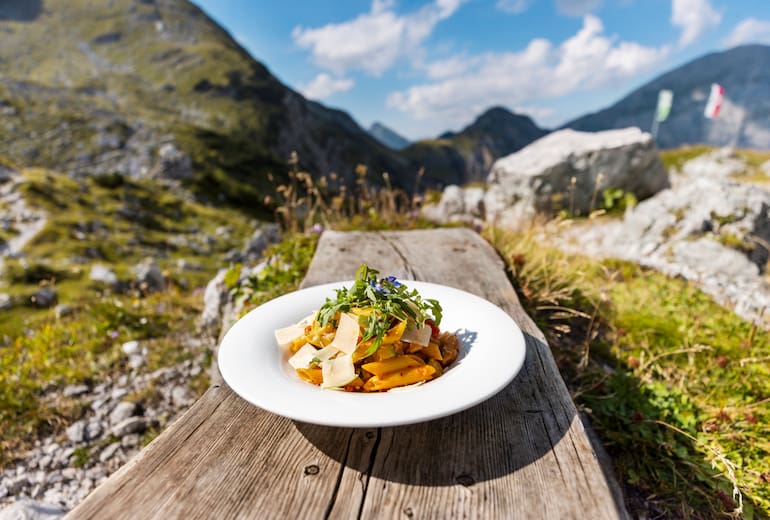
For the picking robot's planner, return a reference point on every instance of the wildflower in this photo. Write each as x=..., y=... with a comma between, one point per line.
x=316, y=229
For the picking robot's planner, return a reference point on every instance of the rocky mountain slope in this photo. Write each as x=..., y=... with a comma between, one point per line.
x=744, y=120
x=388, y=137
x=99, y=87
x=466, y=156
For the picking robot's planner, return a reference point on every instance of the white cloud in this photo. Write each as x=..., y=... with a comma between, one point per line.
x=749, y=30
x=324, y=86
x=513, y=6
x=375, y=40
x=541, y=70
x=577, y=7
x=693, y=17
x=449, y=67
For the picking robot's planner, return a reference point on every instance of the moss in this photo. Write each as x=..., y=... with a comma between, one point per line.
x=675, y=158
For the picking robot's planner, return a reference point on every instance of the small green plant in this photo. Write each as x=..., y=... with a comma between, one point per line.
x=616, y=200
x=81, y=456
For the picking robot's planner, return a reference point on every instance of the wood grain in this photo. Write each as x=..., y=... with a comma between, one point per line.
x=521, y=454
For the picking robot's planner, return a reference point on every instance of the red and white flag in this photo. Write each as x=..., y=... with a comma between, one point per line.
x=715, y=101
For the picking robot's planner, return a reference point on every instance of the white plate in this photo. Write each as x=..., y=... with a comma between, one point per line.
x=491, y=354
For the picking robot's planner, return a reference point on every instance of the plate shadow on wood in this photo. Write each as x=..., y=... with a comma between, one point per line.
x=497, y=437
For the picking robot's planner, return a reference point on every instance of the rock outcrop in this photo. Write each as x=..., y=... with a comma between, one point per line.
x=707, y=228
x=567, y=170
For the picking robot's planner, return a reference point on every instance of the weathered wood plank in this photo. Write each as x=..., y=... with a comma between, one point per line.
x=523, y=453
x=224, y=458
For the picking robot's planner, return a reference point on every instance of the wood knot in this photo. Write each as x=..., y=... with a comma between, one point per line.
x=465, y=480
x=312, y=469
x=408, y=512
x=369, y=435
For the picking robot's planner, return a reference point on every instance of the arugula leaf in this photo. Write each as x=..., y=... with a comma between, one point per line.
x=390, y=301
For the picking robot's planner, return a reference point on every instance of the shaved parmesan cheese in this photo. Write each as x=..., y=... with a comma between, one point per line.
x=286, y=335
x=346, y=337
x=326, y=353
x=303, y=357
x=419, y=336
x=338, y=371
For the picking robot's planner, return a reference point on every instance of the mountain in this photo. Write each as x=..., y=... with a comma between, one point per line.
x=388, y=137
x=744, y=119
x=467, y=156
x=105, y=87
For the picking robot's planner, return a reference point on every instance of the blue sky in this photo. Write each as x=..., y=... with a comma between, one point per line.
x=423, y=67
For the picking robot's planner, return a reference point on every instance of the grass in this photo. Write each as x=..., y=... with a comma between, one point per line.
x=116, y=223
x=676, y=386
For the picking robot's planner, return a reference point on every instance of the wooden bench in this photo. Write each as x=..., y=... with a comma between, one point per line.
x=523, y=453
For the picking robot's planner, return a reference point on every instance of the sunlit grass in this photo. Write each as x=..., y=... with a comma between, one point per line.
x=676, y=385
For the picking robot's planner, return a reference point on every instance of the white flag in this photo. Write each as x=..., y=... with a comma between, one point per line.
x=665, y=99
x=715, y=101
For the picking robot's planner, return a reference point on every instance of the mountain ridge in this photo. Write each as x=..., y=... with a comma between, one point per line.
x=388, y=137
x=744, y=120
x=466, y=156
x=128, y=76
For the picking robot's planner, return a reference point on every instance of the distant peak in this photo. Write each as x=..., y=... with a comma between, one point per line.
x=388, y=137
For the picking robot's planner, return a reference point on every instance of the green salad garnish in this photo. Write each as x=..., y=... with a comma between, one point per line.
x=390, y=300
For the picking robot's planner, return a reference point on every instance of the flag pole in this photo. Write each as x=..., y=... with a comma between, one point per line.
x=655, y=125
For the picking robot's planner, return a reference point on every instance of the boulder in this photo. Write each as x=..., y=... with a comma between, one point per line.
x=568, y=170
x=44, y=297
x=149, y=277
x=103, y=274
x=214, y=299
x=719, y=164
x=262, y=237
x=457, y=204
x=172, y=163
x=709, y=230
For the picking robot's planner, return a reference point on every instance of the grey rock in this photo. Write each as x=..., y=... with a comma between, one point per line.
x=260, y=239
x=130, y=441
x=457, y=205
x=131, y=347
x=3, y=491
x=44, y=462
x=539, y=178
x=62, y=310
x=130, y=425
x=16, y=484
x=172, y=163
x=108, y=452
x=30, y=510
x=214, y=299
x=103, y=274
x=122, y=412
x=118, y=392
x=181, y=396
x=94, y=429
x=74, y=390
x=76, y=432
x=50, y=449
x=135, y=361
x=149, y=277
x=686, y=231
x=69, y=473
x=719, y=164
x=5, y=301
x=44, y=297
